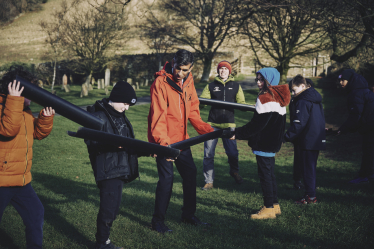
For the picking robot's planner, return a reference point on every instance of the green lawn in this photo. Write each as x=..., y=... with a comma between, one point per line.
x=63, y=179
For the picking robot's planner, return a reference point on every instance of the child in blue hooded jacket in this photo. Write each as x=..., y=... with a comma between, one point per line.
x=265, y=135
x=307, y=133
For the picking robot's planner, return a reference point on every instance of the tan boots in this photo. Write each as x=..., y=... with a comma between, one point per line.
x=267, y=213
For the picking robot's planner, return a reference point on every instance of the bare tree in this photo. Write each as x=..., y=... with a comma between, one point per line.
x=86, y=33
x=283, y=30
x=351, y=27
x=202, y=25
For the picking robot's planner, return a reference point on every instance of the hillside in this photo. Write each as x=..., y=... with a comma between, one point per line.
x=23, y=41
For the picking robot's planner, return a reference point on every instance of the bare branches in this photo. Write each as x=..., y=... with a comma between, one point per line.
x=283, y=29
x=86, y=33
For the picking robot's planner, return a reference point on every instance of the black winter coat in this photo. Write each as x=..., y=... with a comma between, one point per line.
x=110, y=162
x=307, y=121
x=360, y=102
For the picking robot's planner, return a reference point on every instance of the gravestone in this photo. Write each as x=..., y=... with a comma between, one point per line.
x=107, y=77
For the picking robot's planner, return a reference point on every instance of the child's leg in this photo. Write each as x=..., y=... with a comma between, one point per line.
x=208, y=162
x=265, y=172
x=297, y=165
x=110, y=200
x=30, y=208
x=310, y=165
x=232, y=153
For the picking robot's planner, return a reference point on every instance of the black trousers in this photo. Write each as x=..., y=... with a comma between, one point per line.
x=305, y=166
x=110, y=200
x=187, y=170
x=367, y=163
x=267, y=179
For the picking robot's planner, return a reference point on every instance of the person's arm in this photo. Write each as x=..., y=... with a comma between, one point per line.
x=206, y=93
x=44, y=123
x=356, y=107
x=299, y=121
x=158, y=114
x=240, y=96
x=194, y=116
x=12, y=110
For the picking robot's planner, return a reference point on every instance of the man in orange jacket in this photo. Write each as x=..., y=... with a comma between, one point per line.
x=173, y=102
x=18, y=129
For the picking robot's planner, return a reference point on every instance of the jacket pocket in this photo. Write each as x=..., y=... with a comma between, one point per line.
x=4, y=161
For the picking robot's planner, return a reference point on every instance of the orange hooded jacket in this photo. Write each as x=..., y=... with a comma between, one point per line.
x=171, y=107
x=18, y=128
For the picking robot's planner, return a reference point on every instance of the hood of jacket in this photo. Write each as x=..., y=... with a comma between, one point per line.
x=281, y=94
x=357, y=82
x=311, y=95
x=167, y=71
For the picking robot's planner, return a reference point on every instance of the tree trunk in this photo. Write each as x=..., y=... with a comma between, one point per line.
x=283, y=70
x=54, y=75
x=207, y=67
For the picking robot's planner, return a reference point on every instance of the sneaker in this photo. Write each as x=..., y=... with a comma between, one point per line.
x=359, y=180
x=277, y=209
x=107, y=245
x=237, y=177
x=160, y=227
x=306, y=200
x=207, y=186
x=264, y=213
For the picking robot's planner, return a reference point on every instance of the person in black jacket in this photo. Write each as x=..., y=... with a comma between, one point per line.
x=360, y=102
x=112, y=166
x=265, y=135
x=223, y=88
x=307, y=133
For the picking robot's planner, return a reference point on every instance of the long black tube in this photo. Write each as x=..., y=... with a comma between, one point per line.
x=224, y=104
x=196, y=140
x=116, y=140
x=61, y=106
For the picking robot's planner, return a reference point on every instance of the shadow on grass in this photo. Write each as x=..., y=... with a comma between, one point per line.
x=6, y=241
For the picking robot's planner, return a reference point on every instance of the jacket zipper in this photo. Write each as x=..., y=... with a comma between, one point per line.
x=27, y=151
x=224, y=96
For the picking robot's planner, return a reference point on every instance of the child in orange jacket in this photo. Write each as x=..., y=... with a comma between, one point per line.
x=18, y=129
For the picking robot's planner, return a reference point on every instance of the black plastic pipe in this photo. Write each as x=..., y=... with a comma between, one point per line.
x=61, y=106
x=227, y=105
x=196, y=140
x=117, y=140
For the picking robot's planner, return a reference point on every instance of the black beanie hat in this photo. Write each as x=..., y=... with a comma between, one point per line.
x=347, y=74
x=123, y=92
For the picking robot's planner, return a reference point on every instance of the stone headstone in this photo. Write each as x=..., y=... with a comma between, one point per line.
x=64, y=79
x=66, y=88
x=137, y=85
x=93, y=81
x=106, y=90
x=40, y=83
x=84, y=91
x=129, y=80
x=146, y=82
x=107, y=77
x=71, y=79
x=98, y=83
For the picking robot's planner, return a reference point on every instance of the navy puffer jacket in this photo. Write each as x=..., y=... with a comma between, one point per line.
x=307, y=121
x=360, y=102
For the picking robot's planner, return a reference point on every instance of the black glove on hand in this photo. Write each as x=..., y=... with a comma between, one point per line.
x=228, y=132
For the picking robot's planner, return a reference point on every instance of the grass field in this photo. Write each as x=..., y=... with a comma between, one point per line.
x=63, y=179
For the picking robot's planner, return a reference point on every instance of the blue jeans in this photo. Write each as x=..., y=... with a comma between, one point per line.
x=29, y=207
x=209, y=152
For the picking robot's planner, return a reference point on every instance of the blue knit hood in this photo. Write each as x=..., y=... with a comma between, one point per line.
x=271, y=75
